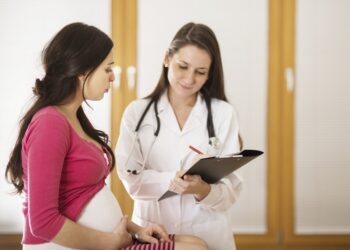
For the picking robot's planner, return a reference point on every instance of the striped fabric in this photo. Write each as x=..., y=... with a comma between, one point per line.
x=155, y=246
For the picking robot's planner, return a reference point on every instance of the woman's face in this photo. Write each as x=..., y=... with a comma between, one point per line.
x=188, y=70
x=100, y=80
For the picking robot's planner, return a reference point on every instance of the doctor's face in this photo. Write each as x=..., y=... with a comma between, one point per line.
x=188, y=70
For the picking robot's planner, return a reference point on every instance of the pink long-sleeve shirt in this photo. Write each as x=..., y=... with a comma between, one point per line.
x=62, y=172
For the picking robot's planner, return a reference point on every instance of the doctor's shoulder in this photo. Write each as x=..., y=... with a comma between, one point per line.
x=223, y=110
x=135, y=109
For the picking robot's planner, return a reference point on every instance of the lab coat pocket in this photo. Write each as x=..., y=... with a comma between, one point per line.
x=202, y=145
x=216, y=233
x=208, y=149
x=146, y=213
x=141, y=221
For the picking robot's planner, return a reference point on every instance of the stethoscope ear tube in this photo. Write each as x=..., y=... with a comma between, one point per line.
x=157, y=117
x=210, y=124
x=213, y=140
x=143, y=115
x=155, y=100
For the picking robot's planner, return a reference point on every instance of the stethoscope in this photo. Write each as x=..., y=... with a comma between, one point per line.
x=213, y=140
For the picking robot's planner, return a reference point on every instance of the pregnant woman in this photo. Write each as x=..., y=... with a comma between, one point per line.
x=60, y=161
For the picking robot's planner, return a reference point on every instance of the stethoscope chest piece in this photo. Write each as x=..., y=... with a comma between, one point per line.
x=134, y=172
x=214, y=142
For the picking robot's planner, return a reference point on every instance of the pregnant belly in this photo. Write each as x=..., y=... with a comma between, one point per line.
x=102, y=212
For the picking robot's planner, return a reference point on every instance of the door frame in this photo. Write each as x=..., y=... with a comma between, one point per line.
x=287, y=118
x=274, y=193
x=124, y=19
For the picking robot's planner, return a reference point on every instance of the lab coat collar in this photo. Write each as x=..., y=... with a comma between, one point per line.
x=196, y=118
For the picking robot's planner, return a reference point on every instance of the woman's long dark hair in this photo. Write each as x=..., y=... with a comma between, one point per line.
x=75, y=50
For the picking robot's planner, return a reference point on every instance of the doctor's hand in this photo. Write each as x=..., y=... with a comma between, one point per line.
x=152, y=234
x=190, y=184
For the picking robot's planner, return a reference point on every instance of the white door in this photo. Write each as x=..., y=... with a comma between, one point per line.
x=322, y=117
x=241, y=27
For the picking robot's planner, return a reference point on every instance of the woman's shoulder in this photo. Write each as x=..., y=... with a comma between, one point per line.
x=50, y=115
x=48, y=123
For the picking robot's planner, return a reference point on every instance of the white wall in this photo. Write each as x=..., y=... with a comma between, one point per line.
x=322, y=161
x=242, y=30
x=26, y=26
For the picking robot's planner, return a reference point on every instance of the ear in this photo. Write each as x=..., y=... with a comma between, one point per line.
x=82, y=77
x=166, y=59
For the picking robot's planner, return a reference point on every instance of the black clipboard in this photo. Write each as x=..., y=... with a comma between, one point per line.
x=212, y=169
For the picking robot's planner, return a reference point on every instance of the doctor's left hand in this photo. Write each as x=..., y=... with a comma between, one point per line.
x=152, y=234
x=190, y=184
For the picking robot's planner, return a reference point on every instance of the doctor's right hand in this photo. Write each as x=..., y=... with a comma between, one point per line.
x=123, y=237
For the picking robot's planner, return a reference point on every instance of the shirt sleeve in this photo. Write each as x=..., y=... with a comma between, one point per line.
x=148, y=184
x=225, y=193
x=46, y=145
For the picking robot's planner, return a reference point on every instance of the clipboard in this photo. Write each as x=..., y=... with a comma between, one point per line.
x=212, y=169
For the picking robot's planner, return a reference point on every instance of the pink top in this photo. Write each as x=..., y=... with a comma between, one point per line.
x=62, y=172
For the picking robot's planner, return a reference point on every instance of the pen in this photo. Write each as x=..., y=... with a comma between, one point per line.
x=195, y=150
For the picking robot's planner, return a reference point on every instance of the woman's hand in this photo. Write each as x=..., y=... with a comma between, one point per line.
x=190, y=184
x=123, y=237
x=152, y=234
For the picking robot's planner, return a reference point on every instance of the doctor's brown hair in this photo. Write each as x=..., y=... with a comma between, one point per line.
x=77, y=49
x=203, y=37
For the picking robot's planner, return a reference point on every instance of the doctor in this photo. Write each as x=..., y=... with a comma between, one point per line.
x=187, y=108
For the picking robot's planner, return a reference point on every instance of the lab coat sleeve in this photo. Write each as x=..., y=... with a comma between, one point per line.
x=149, y=184
x=225, y=193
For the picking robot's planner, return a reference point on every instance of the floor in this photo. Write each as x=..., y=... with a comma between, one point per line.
x=293, y=248
x=250, y=248
x=10, y=248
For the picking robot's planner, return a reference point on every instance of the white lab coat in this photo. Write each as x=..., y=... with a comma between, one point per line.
x=210, y=218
